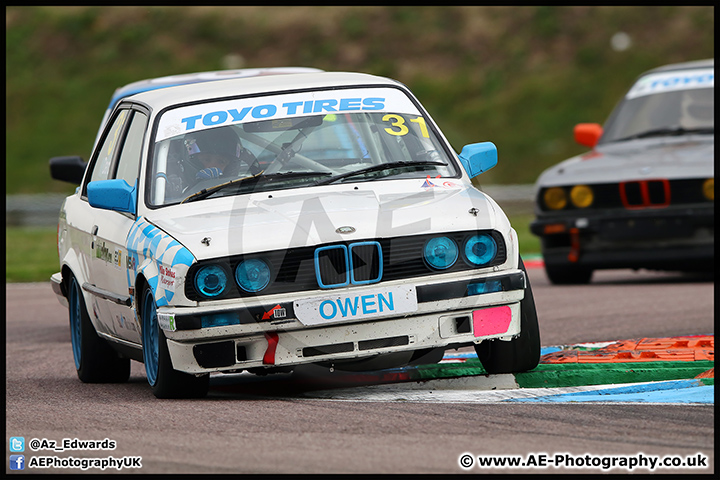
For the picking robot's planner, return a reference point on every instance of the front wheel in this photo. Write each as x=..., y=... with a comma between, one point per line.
x=520, y=354
x=166, y=382
x=568, y=274
x=95, y=360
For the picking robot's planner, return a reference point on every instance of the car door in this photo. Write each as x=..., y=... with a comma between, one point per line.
x=119, y=157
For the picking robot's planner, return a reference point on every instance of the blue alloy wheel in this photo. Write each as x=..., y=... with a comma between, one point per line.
x=150, y=333
x=166, y=382
x=75, y=319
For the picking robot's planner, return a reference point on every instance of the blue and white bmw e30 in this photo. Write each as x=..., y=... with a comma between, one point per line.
x=265, y=222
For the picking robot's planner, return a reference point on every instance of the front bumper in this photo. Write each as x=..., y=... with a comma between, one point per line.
x=56, y=282
x=447, y=314
x=671, y=238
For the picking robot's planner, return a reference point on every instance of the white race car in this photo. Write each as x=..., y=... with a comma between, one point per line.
x=266, y=222
x=644, y=196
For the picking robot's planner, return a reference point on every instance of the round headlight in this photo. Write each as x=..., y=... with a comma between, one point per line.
x=555, y=198
x=709, y=189
x=252, y=275
x=441, y=252
x=211, y=280
x=581, y=196
x=480, y=249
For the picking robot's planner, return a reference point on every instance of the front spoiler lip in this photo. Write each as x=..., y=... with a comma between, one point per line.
x=591, y=220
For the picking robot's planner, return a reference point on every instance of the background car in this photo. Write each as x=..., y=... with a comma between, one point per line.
x=644, y=196
x=263, y=223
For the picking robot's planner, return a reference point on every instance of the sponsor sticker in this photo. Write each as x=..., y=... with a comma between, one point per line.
x=665, y=82
x=357, y=305
x=167, y=278
x=279, y=107
x=166, y=321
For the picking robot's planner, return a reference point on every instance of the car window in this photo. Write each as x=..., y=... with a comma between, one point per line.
x=103, y=162
x=293, y=141
x=666, y=103
x=129, y=161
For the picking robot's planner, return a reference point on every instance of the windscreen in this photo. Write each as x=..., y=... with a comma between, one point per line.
x=670, y=103
x=294, y=140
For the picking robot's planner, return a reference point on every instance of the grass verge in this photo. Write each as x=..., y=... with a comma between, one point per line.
x=30, y=254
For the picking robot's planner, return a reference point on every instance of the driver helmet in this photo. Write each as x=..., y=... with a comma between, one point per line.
x=698, y=108
x=222, y=141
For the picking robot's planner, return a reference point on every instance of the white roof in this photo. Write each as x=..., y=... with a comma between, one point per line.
x=165, y=97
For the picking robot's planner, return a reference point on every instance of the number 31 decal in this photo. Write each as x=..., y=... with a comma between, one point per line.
x=399, y=122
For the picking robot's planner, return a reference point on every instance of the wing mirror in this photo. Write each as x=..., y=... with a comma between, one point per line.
x=588, y=134
x=68, y=169
x=115, y=195
x=478, y=158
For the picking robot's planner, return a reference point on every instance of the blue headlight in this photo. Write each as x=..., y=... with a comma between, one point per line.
x=441, y=252
x=211, y=280
x=480, y=249
x=252, y=275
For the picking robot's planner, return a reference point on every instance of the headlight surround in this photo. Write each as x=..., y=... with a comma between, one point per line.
x=211, y=281
x=582, y=196
x=555, y=198
x=708, y=189
x=440, y=252
x=480, y=249
x=252, y=275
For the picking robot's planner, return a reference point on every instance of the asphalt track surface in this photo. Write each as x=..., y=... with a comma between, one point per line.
x=233, y=431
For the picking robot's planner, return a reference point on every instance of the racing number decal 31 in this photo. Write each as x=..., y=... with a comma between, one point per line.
x=398, y=122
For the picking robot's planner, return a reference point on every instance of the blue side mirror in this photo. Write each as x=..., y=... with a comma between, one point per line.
x=478, y=158
x=114, y=195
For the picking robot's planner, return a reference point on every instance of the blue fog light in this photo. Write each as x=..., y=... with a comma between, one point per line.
x=484, y=287
x=252, y=275
x=441, y=252
x=211, y=280
x=480, y=249
x=219, y=320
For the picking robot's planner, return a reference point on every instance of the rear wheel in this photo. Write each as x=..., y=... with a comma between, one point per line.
x=166, y=382
x=95, y=360
x=521, y=353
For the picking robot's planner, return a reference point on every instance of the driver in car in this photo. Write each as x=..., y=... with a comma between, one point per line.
x=217, y=153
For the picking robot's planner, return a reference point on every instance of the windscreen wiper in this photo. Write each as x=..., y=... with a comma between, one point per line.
x=378, y=168
x=667, y=131
x=274, y=176
x=206, y=192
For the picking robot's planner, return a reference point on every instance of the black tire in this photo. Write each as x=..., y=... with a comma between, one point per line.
x=95, y=360
x=521, y=353
x=568, y=275
x=166, y=382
